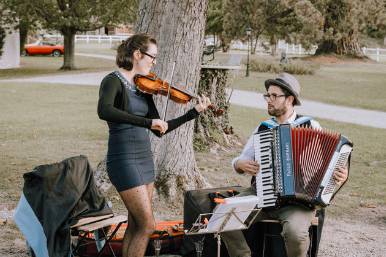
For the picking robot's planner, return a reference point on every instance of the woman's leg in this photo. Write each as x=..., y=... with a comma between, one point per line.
x=142, y=225
x=150, y=188
x=128, y=234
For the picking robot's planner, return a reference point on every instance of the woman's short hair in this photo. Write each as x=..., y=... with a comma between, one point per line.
x=126, y=49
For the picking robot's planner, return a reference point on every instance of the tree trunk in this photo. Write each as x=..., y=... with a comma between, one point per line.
x=211, y=128
x=346, y=46
x=341, y=29
x=326, y=47
x=69, y=49
x=23, y=31
x=215, y=45
x=2, y=39
x=273, y=43
x=255, y=41
x=179, y=29
x=225, y=43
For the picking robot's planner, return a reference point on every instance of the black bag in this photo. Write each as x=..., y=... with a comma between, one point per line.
x=197, y=202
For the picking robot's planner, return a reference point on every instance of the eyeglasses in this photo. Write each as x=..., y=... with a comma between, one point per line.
x=151, y=56
x=272, y=97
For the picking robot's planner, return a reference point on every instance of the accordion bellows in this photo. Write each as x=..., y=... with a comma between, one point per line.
x=298, y=163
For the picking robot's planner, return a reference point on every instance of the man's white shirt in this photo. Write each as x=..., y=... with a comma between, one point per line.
x=248, y=152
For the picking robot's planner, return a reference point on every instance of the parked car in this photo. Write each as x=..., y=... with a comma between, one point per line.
x=41, y=47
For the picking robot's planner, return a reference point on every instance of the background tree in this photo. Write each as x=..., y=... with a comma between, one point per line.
x=2, y=39
x=295, y=21
x=336, y=26
x=179, y=28
x=214, y=20
x=3, y=16
x=17, y=16
x=239, y=15
x=344, y=20
x=72, y=16
x=374, y=24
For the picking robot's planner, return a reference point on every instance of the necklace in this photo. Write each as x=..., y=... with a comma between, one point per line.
x=125, y=82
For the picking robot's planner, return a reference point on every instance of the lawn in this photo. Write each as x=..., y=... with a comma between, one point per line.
x=95, y=48
x=58, y=121
x=52, y=123
x=355, y=84
x=48, y=65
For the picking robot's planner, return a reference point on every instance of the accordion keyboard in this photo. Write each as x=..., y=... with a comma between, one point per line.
x=298, y=164
x=265, y=189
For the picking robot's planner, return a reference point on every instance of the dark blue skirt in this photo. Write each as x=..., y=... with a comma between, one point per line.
x=129, y=157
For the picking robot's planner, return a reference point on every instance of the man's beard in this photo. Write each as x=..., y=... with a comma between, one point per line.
x=277, y=112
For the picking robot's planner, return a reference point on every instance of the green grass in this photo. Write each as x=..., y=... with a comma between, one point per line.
x=43, y=124
x=367, y=179
x=48, y=65
x=95, y=48
x=360, y=85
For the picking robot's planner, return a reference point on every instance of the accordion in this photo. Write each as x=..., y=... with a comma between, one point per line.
x=297, y=164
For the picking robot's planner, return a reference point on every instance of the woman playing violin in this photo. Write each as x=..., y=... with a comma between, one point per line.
x=129, y=114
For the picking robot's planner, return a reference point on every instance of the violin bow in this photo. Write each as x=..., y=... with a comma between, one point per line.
x=168, y=96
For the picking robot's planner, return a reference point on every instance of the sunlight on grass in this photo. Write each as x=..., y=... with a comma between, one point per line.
x=44, y=123
x=47, y=65
x=360, y=85
x=52, y=123
x=95, y=48
x=58, y=121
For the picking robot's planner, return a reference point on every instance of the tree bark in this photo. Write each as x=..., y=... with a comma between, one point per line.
x=2, y=40
x=179, y=29
x=69, y=49
x=273, y=42
x=210, y=128
x=341, y=27
x=254, y=44
x=23, y=30
x=225, y=43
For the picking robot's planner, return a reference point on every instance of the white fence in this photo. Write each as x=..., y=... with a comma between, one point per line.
x=378, y=54
x=297, y=49
x=92, y=38
x=293, y=49
x=100, y=38
x=375, y=53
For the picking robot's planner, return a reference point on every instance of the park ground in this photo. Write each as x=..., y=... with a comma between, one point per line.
x=44, y=123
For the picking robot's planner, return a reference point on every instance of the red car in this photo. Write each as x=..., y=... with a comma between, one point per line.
x=44, y=48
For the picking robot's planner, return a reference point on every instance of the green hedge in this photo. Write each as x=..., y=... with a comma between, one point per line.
x=294, y=67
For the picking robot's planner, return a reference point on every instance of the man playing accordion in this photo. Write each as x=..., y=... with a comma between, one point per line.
x=282, y=95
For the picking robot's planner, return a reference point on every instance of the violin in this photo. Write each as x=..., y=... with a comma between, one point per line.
x=151, y=84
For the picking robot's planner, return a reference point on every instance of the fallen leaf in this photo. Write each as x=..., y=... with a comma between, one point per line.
x=367, y=205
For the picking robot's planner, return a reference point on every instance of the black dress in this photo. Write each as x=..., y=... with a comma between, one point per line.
x=129, y=157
